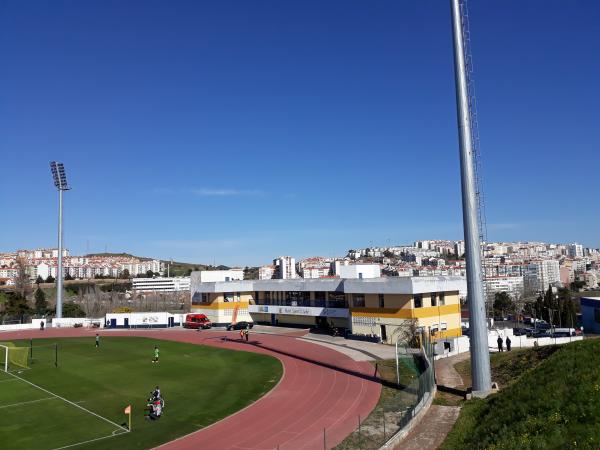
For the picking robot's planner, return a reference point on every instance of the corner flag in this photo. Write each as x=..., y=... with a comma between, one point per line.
x=128, y=412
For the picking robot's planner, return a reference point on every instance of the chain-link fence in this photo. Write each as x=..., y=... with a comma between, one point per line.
x=407, y=385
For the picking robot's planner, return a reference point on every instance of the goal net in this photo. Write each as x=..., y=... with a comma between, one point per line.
x=13, y=357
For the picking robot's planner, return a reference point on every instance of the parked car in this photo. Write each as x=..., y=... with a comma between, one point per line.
x=521, y=331
x=197, y=321
x=239, y=326
x=542, y=333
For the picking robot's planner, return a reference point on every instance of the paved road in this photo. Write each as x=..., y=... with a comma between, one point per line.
x=320, y=388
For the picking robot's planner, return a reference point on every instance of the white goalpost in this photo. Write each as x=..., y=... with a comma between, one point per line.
x=11, y=356
x=4, y=352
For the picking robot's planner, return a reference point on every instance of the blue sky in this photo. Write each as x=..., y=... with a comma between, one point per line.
x=237, y=131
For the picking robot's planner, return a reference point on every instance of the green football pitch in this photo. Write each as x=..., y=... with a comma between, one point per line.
x=80, y=403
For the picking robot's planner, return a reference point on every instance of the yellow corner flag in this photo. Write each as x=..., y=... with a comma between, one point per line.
x=128, y=412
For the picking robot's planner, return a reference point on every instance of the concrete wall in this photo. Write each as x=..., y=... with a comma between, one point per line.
x=462, y=344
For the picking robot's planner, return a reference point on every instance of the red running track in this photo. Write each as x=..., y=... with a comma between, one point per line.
x=320, y=388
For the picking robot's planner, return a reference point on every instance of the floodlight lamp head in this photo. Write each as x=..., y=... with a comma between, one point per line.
x=59, y=175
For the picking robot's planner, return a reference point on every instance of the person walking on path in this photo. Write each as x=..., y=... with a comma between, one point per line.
x=246, y=334
x=507, y=344
x=242, y=335
x=500, y=349
x=97, y=340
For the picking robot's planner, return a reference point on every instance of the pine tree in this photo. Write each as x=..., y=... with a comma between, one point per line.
x=41, y=305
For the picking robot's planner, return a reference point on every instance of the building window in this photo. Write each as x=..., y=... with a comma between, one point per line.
x=433, y=299
x=597, y=315
x=320, y=298
x=228, y=297
x=441, y=299
x=205, y=297
x=336, y=300
x=358, y=300
x=381, y=301
x=418, y=300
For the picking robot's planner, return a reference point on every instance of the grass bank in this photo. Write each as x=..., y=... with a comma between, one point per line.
x=555, y=404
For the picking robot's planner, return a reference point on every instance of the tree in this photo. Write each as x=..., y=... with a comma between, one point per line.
x=68, y=276
x=39, y=280
x=50, y=279
x=71, y=309
x=503, y=304
x=3, y=302
x=22, y=281
x=149, y=274
x=17, y=305
x=41, y=305
x=125, y=274
x=577, y=285
x=388, y=254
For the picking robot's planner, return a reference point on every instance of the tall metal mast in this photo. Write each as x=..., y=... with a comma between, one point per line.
x=60, y=181
x=473, y=226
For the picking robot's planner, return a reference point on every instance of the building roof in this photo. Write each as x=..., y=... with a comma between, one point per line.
x=384, y=285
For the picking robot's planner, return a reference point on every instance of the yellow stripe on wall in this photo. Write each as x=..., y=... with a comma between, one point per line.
x=452, y=332
x=417, y=313
x=433, y=311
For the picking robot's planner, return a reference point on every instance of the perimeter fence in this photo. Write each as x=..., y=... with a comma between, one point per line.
x=407, y=385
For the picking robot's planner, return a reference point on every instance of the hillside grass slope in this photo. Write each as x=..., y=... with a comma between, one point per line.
x=556, y=404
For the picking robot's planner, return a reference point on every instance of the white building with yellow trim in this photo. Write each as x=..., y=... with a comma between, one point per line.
x=368, y=306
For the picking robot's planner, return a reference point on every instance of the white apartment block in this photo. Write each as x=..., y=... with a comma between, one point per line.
x=8, y=272
x=208, y=276
x=285, y=268
x=541, y=274
x=160, y=284
x=315, y=272
x=575, y=250
x=358, y=271
x=513, y=286
x=459, y=248
x=266, y=272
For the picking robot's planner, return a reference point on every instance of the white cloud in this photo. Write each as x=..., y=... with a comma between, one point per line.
x=204, y=192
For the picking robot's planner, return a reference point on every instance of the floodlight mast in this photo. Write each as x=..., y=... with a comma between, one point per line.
x=478, y=334
x=60, y=181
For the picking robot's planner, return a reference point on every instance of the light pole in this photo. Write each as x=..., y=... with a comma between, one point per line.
x=60, y=181
x=478, y=333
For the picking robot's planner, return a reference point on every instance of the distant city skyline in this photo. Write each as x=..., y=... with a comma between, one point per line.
x=298, y=257
x=236, y=132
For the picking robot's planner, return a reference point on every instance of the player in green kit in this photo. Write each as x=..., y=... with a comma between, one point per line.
x=97, y=340
x=155, y=360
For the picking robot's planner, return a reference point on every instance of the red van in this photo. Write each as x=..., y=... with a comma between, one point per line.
x=197, y=321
